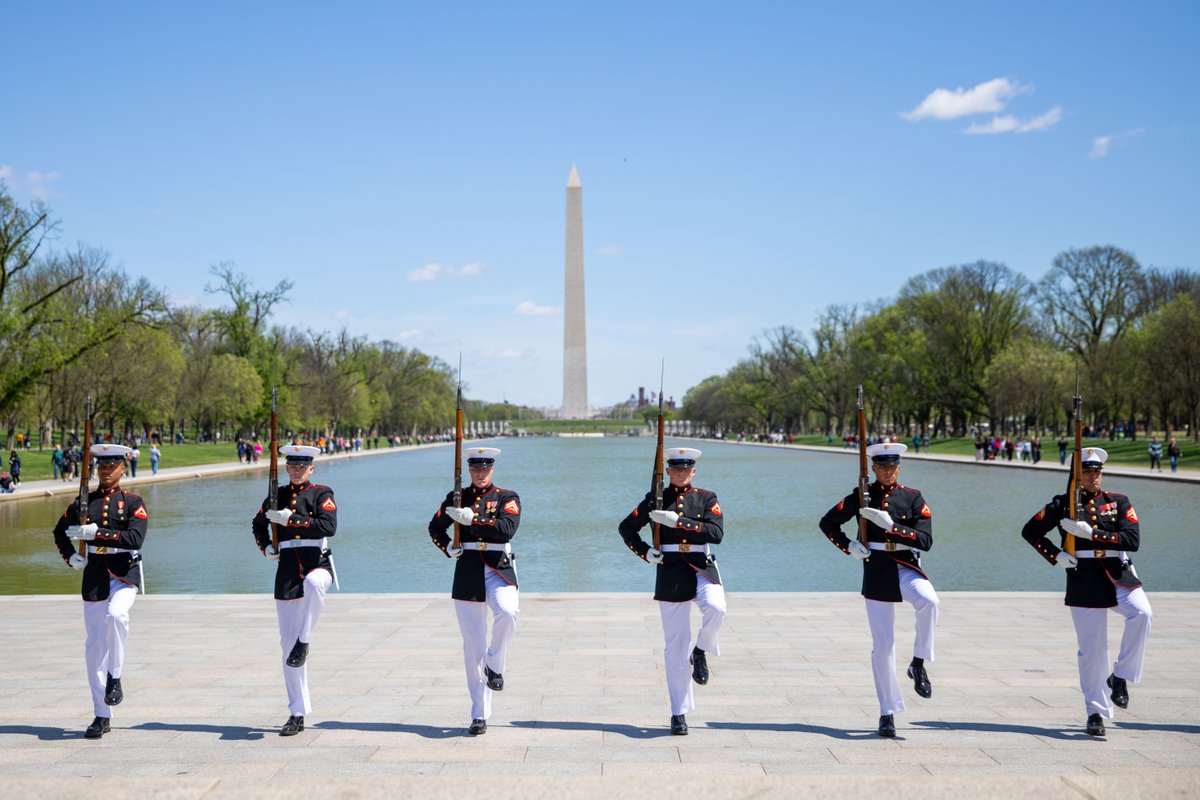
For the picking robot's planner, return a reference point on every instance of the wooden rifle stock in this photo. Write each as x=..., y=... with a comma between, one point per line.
x=273, y=473
x=656, y=480
x=458, y=440
x=1075, y=482
x=85, y=473
x=864, y=482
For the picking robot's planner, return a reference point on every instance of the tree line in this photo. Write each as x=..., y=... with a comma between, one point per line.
x=72, y=323
x=975, y=344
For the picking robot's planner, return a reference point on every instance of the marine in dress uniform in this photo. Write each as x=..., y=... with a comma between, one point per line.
x=485, y=576
x=307, y=518
x=900, y=528
x=112, y=576
x=686, y=572
x=1100, y=577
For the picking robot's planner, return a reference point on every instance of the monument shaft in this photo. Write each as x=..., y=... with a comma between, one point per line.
x=575, y=404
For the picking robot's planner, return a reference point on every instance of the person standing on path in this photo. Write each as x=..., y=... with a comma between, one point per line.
x=1173, y=453
x=14, y=467
x=307, y=518
x=155, y=455
x=1100, y=578
x=485, y=576
x=1155, y=454
x=134, y=455
x=686, y=573
x=112, y=575
x=901, y=526
x=56, y=461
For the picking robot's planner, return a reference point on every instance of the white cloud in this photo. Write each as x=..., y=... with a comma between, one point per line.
x=1010, y=124
x=34, y=182
x=432, y=271
x=532, y=309
x=609, y=250
x=989, y=97
x=1102, y=144
x=507, y=352
x=410, y=335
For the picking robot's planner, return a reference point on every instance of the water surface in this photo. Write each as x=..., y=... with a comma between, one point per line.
x=575, y=491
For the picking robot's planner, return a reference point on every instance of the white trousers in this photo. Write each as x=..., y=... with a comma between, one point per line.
x=677, y=639
x=107, y=625
x=502, y=598
x=297, y=618
x=881, y=616
x=1091, y=631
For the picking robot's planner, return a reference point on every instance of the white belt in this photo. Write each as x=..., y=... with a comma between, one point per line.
x=684, y=548
x=1081, y=553
x=889, y=546
x=284, y=545
x=505, y=546
x=100, y=549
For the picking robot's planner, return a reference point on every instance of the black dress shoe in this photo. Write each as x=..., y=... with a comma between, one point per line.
x=678, y=725
x=293, y=726
x=478, y=727
x=1120, y=691
x=99, y=727
x=495, y=680
x=699, y=666
x=920, y=679
x=1095, y=725
x=299, y=654
x=887, y=726
x=112, y=691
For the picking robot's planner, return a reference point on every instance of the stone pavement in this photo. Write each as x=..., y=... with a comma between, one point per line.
x=790, y=708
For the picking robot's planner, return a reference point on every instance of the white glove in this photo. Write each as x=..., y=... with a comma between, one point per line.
x=462, y=516
x=270, y=553
x=654, y=556
x=84, y=533
x=859, y=550
x=454, y=552
x=278, y=516
x=668, y=518
x=1077, y=527
x=77, y=561
x=878, y=516
x=1066, y=560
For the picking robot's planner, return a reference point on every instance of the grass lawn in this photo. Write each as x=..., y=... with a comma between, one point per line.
x=1121, y=451
x=35, y=464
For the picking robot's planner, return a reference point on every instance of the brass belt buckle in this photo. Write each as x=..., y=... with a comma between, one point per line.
x=483, y=545
x=685, y=548
x=1099, y=553
x=889, y=546
x=101, y=551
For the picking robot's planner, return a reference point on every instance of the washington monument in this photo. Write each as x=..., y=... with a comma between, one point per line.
x=575, y=405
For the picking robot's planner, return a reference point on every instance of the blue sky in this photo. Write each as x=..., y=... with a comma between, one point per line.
x=744, y=165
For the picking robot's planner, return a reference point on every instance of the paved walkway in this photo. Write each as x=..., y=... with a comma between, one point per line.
x=790, y=709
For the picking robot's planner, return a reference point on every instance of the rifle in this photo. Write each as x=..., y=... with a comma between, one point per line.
x=864, y=483
x=85, y=473
x=1075, y=481
x=458, y=439
x=273, y=470
x=656, y=478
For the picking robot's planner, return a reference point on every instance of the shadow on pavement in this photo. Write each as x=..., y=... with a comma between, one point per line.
x=45, y=734
x=798, y=727
x=424, y=731
x=629, y=731
x=232, y=732
x=1076, y=734
x=1150, y=726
